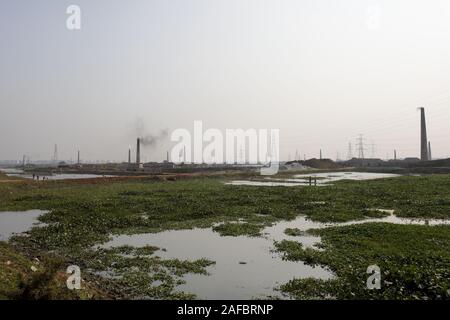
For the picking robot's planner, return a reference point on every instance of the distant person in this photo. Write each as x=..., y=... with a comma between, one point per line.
x=33, y=176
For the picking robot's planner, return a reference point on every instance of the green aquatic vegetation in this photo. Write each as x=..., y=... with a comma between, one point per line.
x=180, y=267
x=141, y=285
x=239, y=229
x=145, y=250
x=195, y=200
x=413, y=260
x=137, y=251
x=264, y=210
x=295, y=232
x=139, y=273
x=83, y=215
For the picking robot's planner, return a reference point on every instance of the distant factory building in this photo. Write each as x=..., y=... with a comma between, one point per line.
x=368, y=162
x=158, y=167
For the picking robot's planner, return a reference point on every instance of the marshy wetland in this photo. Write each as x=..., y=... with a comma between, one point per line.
x=201, y=237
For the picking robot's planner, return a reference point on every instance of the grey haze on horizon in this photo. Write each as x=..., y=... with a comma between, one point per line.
x=321, y=71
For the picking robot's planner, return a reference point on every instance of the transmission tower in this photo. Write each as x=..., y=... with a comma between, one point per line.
x=350, y=151
x=373, y=148
x=361, y=148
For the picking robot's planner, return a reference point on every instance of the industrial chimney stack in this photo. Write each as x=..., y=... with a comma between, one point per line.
x=423, y=136
x=138, y=152
x=429, y=151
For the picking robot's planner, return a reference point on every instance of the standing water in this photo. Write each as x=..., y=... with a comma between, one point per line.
x=245, y=267
x=323, y=179
x=57, y=176
x=14, y=222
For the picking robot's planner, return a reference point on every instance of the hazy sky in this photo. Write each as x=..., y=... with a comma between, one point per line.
x=321, y=71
